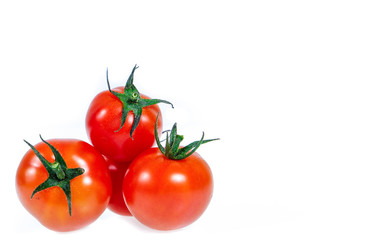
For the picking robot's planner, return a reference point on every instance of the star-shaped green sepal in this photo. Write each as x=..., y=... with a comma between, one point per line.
x=132, y=101
x=59, y=174
x=172, y=149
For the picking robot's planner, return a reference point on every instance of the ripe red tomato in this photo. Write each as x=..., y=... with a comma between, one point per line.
x=168, y=188
x=120, y=122
x=117, y=172
x=67, y=187
x=166, y=194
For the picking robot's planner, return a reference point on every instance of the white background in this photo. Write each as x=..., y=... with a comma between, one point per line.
x=292, y=88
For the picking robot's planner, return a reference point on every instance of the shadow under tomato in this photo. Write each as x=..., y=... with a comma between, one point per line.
x=141, y=227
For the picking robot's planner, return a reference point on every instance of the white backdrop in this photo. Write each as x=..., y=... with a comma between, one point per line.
x=292, y=88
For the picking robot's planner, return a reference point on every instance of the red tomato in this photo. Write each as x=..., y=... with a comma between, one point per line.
x=103, y=120
x=167, y=194
x=89, y=190
x=117, y=203
x=120, y=122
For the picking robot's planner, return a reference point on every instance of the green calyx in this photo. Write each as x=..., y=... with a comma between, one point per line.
x=172, y=149
x=59, y=174
x=132, y=101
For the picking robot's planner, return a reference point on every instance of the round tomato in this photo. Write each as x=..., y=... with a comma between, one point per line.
x=117, y=203
x=64, y=183
x=120, y=122
x=166, y=194
x=168, y=188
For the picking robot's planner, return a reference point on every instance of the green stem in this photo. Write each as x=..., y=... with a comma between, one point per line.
x=59, y=174
x=58, y=171
x=131, y=101
x=172, y=149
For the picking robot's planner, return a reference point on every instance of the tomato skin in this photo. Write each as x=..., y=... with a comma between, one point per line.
x=90, y=192
x=103, y=119
x=117, y=203
x=167, y=194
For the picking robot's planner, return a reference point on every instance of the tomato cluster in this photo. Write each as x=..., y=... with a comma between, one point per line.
x=67, y=183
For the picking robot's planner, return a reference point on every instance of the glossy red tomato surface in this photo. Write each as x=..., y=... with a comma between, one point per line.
x=117, y=172
x=167, y=194
x=90, y=192
x=103, y=119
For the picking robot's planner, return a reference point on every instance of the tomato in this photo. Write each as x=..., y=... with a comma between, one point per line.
x=120, y=122
x=168, y=188
x=64, y=183
x=165, y=194
x=117, y=172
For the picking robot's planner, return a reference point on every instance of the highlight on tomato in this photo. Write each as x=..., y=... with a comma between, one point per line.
x=64, y=183
x=168, y=187
x=120, y=121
